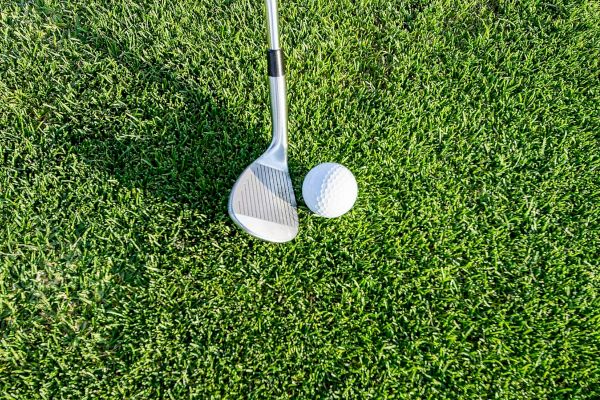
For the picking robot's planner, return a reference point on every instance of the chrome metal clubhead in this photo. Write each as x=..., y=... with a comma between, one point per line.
x=262, y=201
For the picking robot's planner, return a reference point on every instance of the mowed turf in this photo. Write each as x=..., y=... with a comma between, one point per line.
x=469, y=267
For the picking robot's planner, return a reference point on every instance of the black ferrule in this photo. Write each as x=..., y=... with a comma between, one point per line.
x=275, y=62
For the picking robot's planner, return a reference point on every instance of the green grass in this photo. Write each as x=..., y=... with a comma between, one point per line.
x=469, y=267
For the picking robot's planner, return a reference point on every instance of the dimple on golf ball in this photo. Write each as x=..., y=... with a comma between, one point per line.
x=329, y=190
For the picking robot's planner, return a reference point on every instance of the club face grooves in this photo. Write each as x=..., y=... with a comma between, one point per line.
x=266, y=195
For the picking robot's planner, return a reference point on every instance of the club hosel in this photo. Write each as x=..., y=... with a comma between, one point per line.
x=278, y=112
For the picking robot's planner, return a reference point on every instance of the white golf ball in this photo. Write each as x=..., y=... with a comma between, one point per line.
x=329, y=190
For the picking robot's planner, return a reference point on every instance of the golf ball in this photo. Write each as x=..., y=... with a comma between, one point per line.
x=329, y=190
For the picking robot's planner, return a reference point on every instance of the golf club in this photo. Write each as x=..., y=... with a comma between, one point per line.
x=262, y=200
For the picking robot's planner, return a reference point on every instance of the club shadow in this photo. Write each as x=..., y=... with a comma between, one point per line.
x=173, y=139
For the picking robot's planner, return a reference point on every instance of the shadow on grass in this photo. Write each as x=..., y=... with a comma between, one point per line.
x=169, y=136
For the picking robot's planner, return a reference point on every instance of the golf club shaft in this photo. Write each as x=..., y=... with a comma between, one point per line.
x=273, y=24
x=277, y=81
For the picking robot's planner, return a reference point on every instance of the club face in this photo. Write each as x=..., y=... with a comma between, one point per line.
x=262, y=203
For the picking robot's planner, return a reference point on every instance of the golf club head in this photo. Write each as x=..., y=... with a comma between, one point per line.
x=262, y=201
